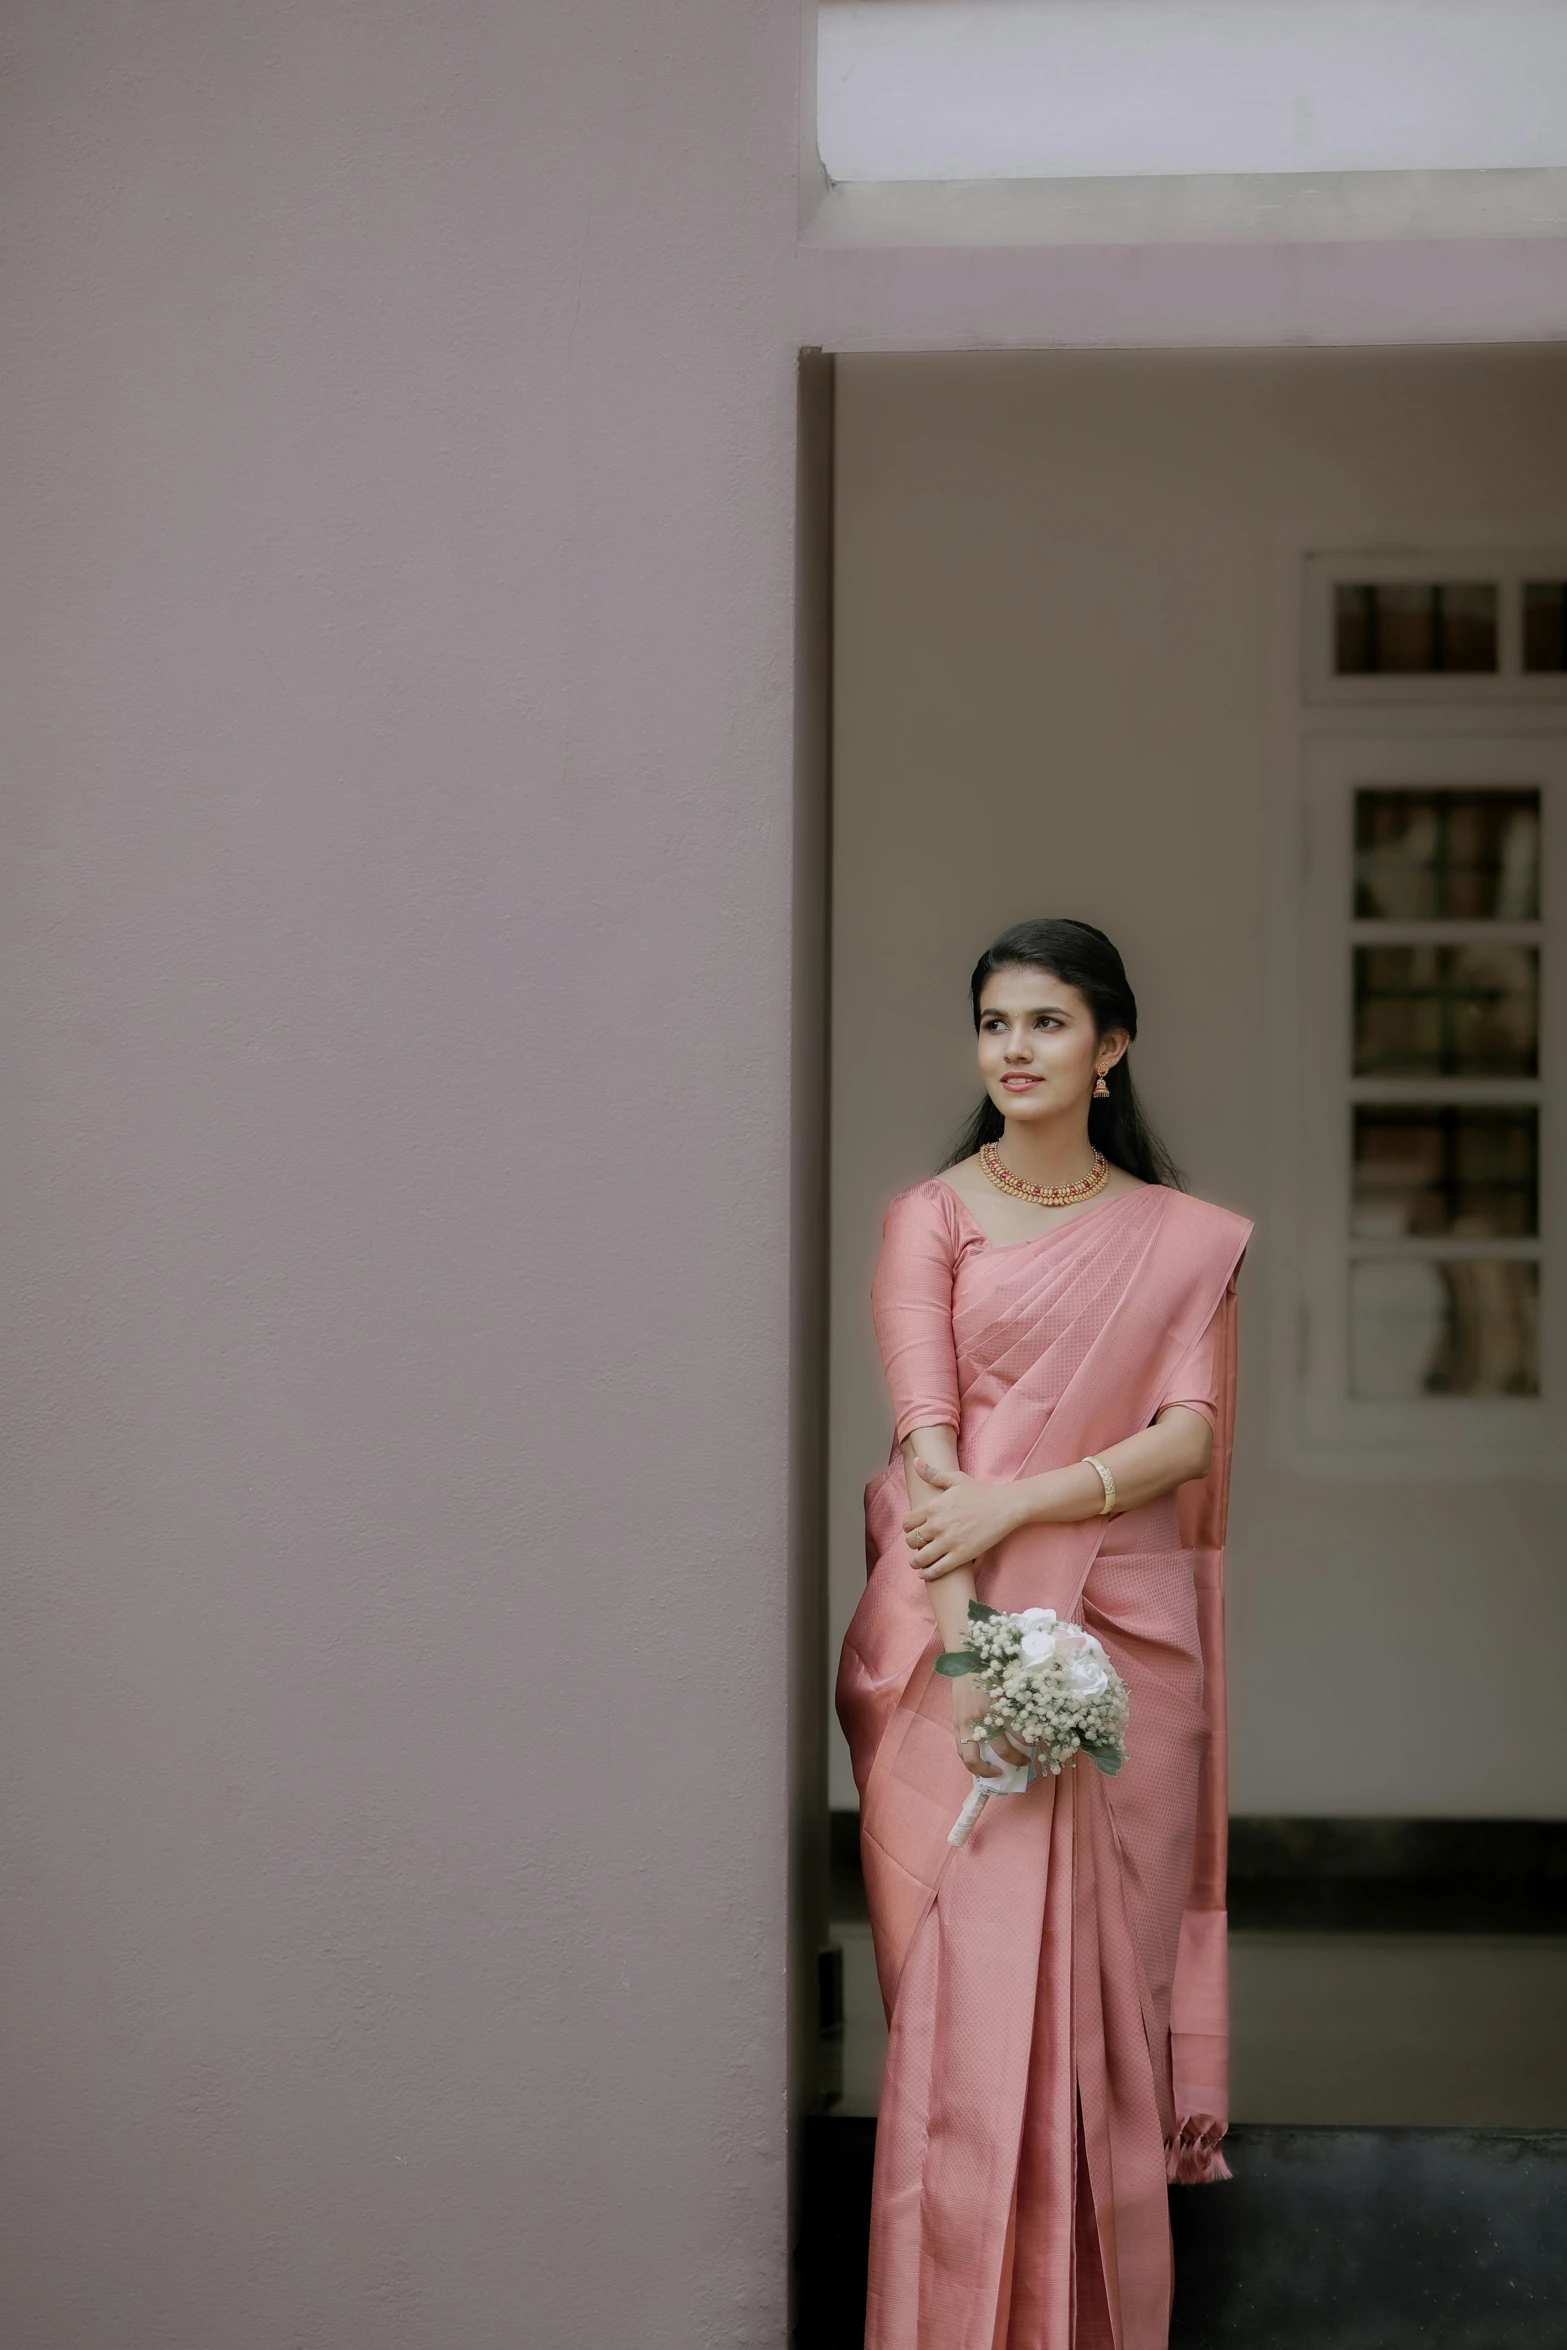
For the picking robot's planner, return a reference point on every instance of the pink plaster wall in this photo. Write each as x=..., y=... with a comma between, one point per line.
x=396, y=1078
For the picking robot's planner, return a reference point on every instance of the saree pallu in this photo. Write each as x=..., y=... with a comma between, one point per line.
x=1055, y=1987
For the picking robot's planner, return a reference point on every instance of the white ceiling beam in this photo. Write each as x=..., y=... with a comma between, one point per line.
x=974, y=90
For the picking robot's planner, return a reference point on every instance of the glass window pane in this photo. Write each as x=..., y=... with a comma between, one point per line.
x=1404, y=637
x=1466, y=628
x=1430, y=1011
x=1421, y=1329
x=1403, y=629
x=1545, y=624
x=1447, y=1171
x=1447, y=855
x=1354, y=631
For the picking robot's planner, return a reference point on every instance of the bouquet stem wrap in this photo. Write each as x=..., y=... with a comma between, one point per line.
x=1011, y=1779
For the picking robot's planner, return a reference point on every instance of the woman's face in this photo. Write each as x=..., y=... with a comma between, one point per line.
x=1039, y=1051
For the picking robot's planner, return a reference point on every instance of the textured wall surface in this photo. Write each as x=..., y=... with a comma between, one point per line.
x=396, y=1077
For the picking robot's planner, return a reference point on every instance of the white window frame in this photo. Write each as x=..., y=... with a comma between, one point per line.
x=1509, y=682
x=1506, y=730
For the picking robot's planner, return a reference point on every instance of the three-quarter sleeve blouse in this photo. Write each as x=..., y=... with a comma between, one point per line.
x=1195, y=1379
x=911, y=1304
x=925, y=1238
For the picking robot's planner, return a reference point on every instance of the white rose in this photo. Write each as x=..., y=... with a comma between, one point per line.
x=1038, y=1628
x=1085, y=1676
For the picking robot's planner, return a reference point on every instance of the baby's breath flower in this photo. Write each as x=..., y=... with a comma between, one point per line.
x=1053, y=1697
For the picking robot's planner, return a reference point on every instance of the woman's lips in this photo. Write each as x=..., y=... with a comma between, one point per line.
x=1021, y=1084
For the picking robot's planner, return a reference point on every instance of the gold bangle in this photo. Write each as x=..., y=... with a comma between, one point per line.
x=1092, y=1461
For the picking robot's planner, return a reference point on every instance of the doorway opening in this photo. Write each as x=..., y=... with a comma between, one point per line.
x=1094, y=653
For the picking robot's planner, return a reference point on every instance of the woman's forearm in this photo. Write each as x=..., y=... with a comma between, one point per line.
x=950, y=1595
x=954, y=1519
x=1145, y=1467
x=949, y=1598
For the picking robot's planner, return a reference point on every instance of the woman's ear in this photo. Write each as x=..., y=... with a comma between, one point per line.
x=1114, y=1042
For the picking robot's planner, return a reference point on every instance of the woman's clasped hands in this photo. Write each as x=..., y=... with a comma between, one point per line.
x=963, y=1519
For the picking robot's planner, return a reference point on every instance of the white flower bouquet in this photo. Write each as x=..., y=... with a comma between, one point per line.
x=1052, y=1691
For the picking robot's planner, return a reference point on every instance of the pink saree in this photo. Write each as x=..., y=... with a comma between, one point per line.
x=1055, y=1987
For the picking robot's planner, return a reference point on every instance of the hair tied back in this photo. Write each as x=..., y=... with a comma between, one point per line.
x=1083, y=958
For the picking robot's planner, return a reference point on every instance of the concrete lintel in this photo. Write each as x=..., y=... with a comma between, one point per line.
x=1146, y=295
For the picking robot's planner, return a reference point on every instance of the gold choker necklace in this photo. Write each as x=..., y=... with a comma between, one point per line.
x=1044, y=1195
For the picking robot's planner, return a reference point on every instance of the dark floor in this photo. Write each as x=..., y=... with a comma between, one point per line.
x=1323, y=2240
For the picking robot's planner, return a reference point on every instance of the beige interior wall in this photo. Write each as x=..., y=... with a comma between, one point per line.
x=1057, y=692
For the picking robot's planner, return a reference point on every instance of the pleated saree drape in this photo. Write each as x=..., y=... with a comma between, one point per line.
x=1055, y=1988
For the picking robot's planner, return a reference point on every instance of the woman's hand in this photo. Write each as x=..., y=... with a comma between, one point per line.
x=970, y=1704
x=961, y=1521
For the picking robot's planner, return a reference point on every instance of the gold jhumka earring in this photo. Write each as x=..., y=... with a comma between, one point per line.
x=1101, y=1090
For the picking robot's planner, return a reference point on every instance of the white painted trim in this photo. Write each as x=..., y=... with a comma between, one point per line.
x=1039, y=89
x=812, y=185
x=1199, y=208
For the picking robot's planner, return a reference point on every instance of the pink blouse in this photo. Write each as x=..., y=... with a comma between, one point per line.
x=929, y=1241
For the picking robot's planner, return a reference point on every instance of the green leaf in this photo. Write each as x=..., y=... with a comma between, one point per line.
x=1108, y=1758
x=978, y=1611
x=955, y=1662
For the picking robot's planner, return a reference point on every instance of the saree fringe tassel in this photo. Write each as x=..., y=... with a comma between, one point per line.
x=1192, y=2157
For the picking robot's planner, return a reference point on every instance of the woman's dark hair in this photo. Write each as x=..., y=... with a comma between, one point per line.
x=1082, y=957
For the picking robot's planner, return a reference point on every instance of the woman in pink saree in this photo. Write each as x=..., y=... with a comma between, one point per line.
x=1057, y=1323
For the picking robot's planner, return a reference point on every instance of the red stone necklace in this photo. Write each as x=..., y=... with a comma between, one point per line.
x=1044, y=1195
